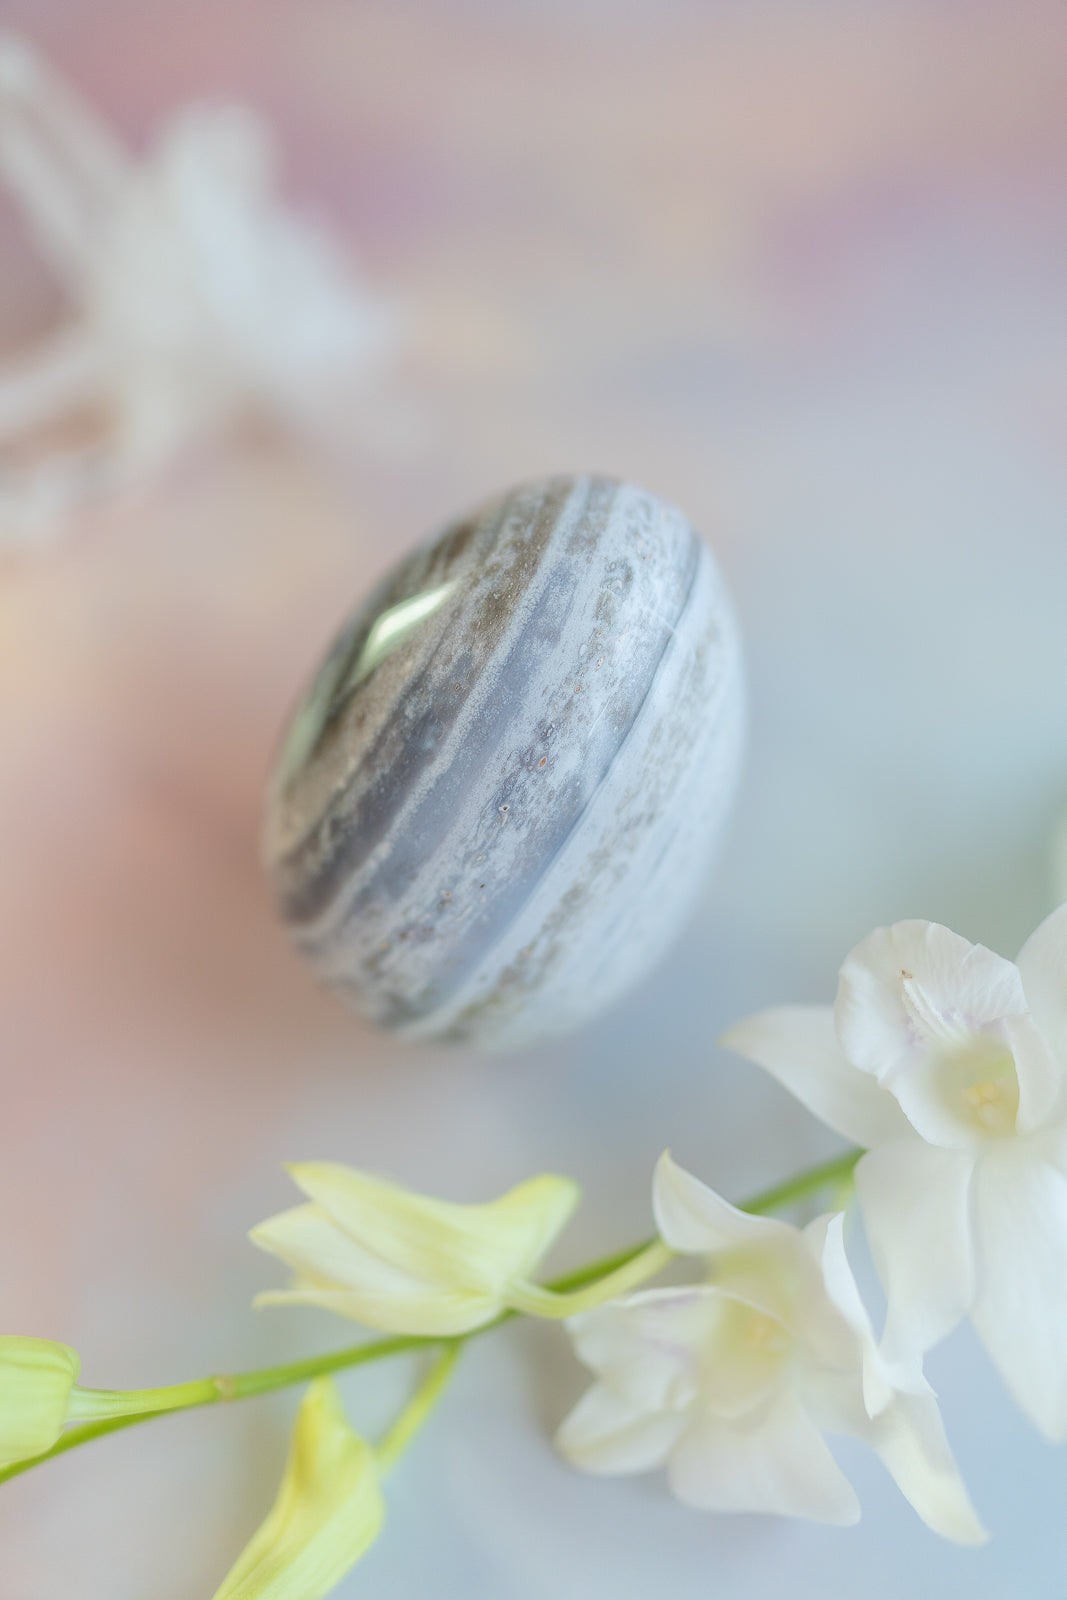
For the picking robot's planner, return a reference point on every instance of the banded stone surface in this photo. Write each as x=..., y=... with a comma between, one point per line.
x=495, y=805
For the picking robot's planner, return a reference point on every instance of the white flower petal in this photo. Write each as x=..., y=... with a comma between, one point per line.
x=798, y=1045
x=694, y=1220
x=908, y=1434
x=775, y=1462
x=607, y=1434
x=648, y=1346
x=910, y=1438
x=1043, y=965
x=826, y=1239
x=1020, y=1312
x=914, y=1199
x=853, y=1342
x=758, y=1260
x=917, y=988
x=1040, y=1075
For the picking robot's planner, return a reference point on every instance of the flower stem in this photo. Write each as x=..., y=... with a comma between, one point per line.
x=827, y=1174
x=538, y=1300
x=209, y=1391
x=101, y=1411
x=418, y=1408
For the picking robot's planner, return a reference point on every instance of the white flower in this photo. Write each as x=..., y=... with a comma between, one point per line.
x=406, y=1263
x=196, y=295
x=729, y=1384
x=950, y=1064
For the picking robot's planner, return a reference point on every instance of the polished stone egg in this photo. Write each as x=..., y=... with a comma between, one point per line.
x=494, y=807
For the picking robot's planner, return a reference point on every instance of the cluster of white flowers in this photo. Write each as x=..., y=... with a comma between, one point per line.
x=946, y=1063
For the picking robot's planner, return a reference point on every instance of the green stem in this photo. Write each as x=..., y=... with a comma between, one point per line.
x=241, y=1385
x=622, y=1269
x=418, y=1408
x=826, y=1174
x=209, y=1391
x=538, y=1300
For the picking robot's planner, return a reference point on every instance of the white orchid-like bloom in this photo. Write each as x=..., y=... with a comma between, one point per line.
x=730, y=1384
x=949, y=1064
x=406, y=1263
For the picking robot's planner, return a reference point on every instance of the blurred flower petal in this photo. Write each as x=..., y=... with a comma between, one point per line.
x=328, y=1512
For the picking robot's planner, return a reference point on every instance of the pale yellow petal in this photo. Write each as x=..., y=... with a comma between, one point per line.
x=433, y=1314
x=327, y=1515
x=479, y=1247
x=36, y=1379
x=322, y=1255
x=336, y=1273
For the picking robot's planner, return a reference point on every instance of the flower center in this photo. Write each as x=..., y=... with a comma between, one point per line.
x=993, y=1102
x=764, y=1335
x=743, y=1359
x=978, y=1087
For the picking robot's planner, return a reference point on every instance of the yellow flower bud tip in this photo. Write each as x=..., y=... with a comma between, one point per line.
x=328, y=1512
x=403, y=1262
x=36, y=1379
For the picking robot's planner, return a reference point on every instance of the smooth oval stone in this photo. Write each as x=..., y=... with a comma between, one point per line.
x=495, y=804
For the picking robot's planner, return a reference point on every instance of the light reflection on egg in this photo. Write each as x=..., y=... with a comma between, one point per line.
x=493, y=809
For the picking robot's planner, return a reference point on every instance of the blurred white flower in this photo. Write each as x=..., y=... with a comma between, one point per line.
x=950, y=1064
x=403, y=1262
x=730, y=1384
x=197, y=295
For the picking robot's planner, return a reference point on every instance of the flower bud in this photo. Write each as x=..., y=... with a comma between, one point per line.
x=406, y=1263
x=327, y=1515
x=36, y=1378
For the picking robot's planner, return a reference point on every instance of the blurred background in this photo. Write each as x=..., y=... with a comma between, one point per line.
x=796, y=265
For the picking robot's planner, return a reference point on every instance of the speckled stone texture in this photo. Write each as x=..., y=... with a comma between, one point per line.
x=488, y=822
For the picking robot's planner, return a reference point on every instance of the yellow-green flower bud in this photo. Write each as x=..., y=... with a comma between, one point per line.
x=36, y=1379
x=407, y=1263
x=327, y=1515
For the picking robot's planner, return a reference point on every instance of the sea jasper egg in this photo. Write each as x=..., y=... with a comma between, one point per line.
x=494, y=807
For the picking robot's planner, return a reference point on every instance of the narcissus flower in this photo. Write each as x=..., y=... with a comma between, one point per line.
x=328, y=1512
x=730, y=1383
x=405, y=1263
x=950, y=1064
x=36, y=1380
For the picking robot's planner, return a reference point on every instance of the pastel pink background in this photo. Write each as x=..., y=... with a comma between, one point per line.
x=797, y=266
